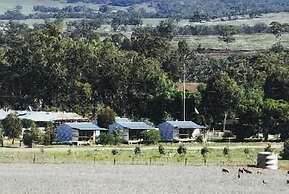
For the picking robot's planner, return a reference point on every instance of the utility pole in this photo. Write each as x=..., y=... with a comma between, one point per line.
x=184, y=91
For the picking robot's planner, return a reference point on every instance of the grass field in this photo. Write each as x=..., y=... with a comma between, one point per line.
x=282, y=17
x=126, y=155
x=28, y=4
x=243, y=42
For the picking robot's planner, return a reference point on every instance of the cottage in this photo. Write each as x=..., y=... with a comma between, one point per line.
x=78, y=132
x=131, y=131
x=179, y=130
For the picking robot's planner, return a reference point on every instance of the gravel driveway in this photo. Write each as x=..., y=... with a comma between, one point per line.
x=103, y=179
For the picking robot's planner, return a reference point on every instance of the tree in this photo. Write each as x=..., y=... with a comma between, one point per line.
x=285, y=151
x=84, y=29
x=26, y=123
x=49, y=134
x=277, y=85
x=1, y=137
x=277, y=30
x=152, y=136
x=105, y=117
x=36, y=134
x=220, y=98
x=249, y=112
x=12, y=126
x=226, y=34
x=275, y=118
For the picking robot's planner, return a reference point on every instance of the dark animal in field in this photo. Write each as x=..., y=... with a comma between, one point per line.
x=287, y=181
x=264, y=182
x=288, y=172
x=247, y=171
x=239, y=176
x=240, y=171
x=225, y=170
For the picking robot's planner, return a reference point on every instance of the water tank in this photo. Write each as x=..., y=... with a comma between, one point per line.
x=267, y=160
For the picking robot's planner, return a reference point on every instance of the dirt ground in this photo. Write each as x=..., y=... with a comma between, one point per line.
x=106, y=179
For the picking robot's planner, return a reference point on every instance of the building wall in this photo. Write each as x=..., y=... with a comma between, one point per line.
x=167, y=131
x=64, y=133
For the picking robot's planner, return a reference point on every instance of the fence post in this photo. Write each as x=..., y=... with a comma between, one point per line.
x=150, y=160
x=186, y=160
x=114, y=161
x=34, y=158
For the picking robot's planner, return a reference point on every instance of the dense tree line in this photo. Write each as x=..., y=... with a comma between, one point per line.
x=201, y=10
x=47, y=67
x=195, y=10
x=216, y=29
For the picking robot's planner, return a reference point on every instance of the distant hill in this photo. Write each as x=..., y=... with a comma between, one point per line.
x=209, y=8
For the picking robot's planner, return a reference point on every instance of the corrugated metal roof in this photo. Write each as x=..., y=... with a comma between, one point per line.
x=120, y=119
x=84, y=126
x=185, y=125
x=41, y=116
x=135, y=125
x=36, y=116
x=3, y=114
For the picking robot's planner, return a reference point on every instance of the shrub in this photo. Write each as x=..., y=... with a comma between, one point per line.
x=27, y=138
x=204, y=153
x=226, y=151
x=110, y=139
x=114, y=152
x=268, y=148
x=246, y=151
x=1, y=137
x=36, y=134
x=116, y=137
x=162, y=150
x=137, y=150
x=152, y=136
x=285, y=152
x=182, y=150
x=105, y=139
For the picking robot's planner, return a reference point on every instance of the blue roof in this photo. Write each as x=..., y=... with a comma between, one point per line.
x=135, y=125
x=84, y=126
x=185, y=125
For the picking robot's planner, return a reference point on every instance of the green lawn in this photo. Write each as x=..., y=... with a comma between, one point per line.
x=149, y=155
x=243, y=41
